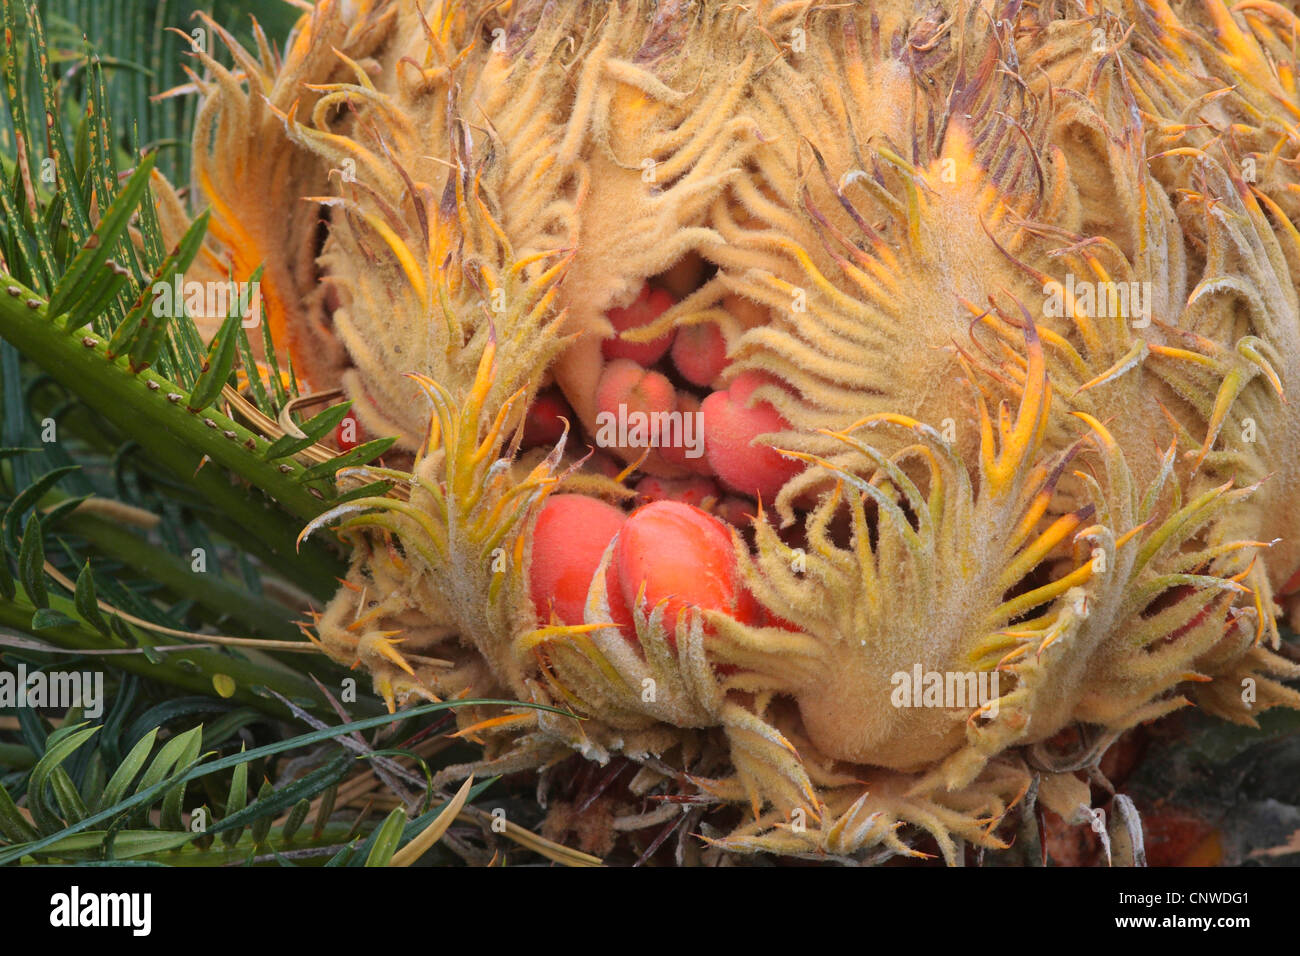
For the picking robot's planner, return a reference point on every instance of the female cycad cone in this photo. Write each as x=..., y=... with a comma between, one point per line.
x=989, y=309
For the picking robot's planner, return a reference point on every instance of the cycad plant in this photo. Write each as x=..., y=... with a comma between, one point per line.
x=841, y=239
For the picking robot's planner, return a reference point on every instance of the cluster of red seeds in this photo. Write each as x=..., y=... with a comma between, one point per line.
x=675, y=544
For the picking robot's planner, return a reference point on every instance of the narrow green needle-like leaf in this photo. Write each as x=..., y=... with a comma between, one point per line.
x=141, y=314
x=361, y=455
x=216, y=367
x=314, y=429
x=88, y=267
x=387, y=839
x=55, y=754
x=127, y=770
x=31, y=564
x=86, y=601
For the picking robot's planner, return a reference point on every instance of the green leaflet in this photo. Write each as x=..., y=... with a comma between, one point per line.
x=269, y=804
x=126, y=771
x=31, y=564
x=387, y=838
x=55, y=754
x=87, y=603
x=220, y=360
x=140, y=327
x=88, y=272
x=26, y=499
x=314, y=429
x=361, y=455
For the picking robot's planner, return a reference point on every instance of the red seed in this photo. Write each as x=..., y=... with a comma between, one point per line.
x=682, y=556
x=569, y=539
x=700, y=353
x=348, y=434
x=543, y=425
x=738, y=512
x=648, y=306
x=628, y=396
x=729, y=432
x=688, y=454
x=690, y=491
x=625, y=383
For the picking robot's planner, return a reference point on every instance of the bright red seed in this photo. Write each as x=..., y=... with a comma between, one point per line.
x=700, y=353
x=543, y=425
x=648, y=306
x=729, y=431
x=682, y=556
x=571, y=535
x=348, y=433
x=625, y=383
